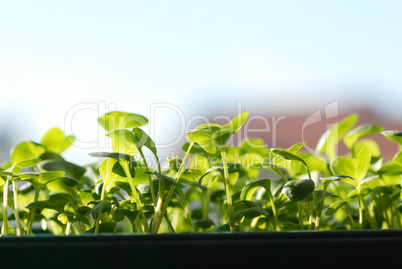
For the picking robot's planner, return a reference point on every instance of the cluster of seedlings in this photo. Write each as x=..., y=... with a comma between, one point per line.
x=214, y=187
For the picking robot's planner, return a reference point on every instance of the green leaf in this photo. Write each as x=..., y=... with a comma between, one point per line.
x=6, y=173
x=56, y=141
x=142, y=139
x=51, y=156
x=232, y=127
x=372, y=145
x=353, y=167
x=108, y=175
x=69, y=181
x=130, y=214
x=296, y=147
x=106, y=207
x=123, y=141
x=367, y=181
x=81, y=218
x=288, y=155
x=251, y=213
x=190, y=175
x=27, y=163
x=334, y=207
x=141, y=174
x=196, y=149
x=243, y=204
x=26, y=150
x=167, y=180
x=247, y=191
x=213, y=137
x=394, y=167
x=223, y=228
x=393, y=135
x=121, y=120
x=44, y=204
x=71, y=169
x=26, y=176
x=118, y=215
x=104, y=227
x=204, y=223
x=47, y=177
x=205, y=137
x=335, y=178
x=61, y=199
x=297, y=190
x=362, y=130
x=328, y=141
x=114, y=155
x=318, y=195
x=213, y=169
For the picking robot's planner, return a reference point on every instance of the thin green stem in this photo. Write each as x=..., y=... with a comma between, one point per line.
x=97, y=222
x=151, y=186
x=206, y=200
x=68, y=228
x=37, y=188
x=277, y=226
x=159, y=218
x=134, y=190
x=228, y=189
x=159, y=206
x=352, y=221
x=385, y=211
x=186, y=209
x=398, y=217
x=359, y=200
x=300, y=209
x=16, y=211
x=321, y=205
x=169, y=223
x=369, y=217
x=4, y=228
x=311, y=207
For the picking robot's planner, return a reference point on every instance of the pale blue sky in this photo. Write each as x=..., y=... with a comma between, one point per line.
x=199, y=56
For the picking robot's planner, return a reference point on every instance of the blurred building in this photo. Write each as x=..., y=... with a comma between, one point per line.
x=289, y=129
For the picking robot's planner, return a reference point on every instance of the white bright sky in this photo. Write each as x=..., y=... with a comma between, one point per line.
x=201, y=57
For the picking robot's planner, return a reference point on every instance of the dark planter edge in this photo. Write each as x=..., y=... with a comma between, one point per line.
x=196, y=250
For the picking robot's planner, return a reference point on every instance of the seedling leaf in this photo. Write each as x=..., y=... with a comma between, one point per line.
x=352, y=167
x=246, y=193
x=115, y=155
x=123, y=141
x=71, y=169
x=393, y=135
x=213, y=137
x=251, y=213
x=297, y=190
x=329, y=140
x=26, y=150
x=362, y=130
x=334, y=207
x=56, y=141
x=204, y=223
x=121, y=120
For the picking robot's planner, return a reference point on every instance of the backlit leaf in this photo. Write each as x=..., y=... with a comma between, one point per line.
x=121, y=120
x=393, y=135
x=26, y=150
x=56, y=141
x=362, y=130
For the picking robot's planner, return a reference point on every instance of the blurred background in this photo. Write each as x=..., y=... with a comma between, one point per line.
x=65, y=63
